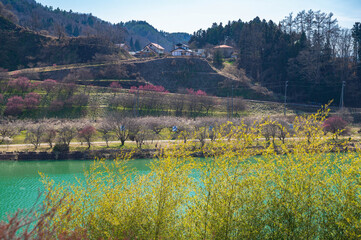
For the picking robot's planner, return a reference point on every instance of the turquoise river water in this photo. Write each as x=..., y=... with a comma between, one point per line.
x=20, y=183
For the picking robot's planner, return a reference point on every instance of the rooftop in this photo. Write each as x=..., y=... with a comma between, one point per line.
x=223, y=46
x=156, y=45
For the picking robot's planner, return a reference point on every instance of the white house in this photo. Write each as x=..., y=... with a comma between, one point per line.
x=181, y=50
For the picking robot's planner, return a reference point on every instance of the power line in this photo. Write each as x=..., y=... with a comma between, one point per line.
x=285, y=103
x=342, y=94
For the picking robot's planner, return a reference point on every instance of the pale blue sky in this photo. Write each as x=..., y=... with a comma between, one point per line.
x=191, y=15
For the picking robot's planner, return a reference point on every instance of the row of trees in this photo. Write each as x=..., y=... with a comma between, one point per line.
x=121, y=128
x=309, y=50
x=26, y=98
x=155, y=100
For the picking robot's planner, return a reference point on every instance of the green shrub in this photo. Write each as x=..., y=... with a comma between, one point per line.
x=60, y=147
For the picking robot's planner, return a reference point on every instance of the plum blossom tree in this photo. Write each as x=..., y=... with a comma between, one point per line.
x=49, y=85
x=15, y=106
x=32, y=100
x=149, y=87
x=335, y=125
x=20, y=84
x=115, y=86
x=87, y=133
x=3, y=74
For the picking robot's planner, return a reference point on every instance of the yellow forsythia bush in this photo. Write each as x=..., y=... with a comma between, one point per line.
x=304, y=188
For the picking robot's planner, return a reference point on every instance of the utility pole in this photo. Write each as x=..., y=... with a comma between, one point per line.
x=232, y=102
x=285, y=103
x=138, y=103
x=228, y=106
x=342, y=94
x=135, y=106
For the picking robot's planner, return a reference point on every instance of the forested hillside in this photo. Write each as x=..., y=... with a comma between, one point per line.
x=310, y=51
x=57, y=22
x=22, y=48
x=143, y=33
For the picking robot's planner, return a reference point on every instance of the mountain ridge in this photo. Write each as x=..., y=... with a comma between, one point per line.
x=54, y=21
x=21, y=48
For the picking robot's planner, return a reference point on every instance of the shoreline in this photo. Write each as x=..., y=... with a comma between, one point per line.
x=75, y=155
x=90, y=155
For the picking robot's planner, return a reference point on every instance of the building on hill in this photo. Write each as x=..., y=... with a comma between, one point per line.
x=151, y=50
x=181, y=45
x=181, y=50
x=225, y=50
x=156, y=48
x=200, y=52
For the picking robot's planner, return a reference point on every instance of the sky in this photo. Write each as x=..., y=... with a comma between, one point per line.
x=192, y=15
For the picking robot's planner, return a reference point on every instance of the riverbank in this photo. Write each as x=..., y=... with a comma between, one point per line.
x=351, y=146
x=79, y=155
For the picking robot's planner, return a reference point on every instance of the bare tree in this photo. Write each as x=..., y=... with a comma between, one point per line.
x=269, y=130
x=139, y=132
x=67, y=132
x=206, y=102
x=288, y=23
x=283, y=130
x=35, y=133
x=8, y=129
x=105, y=128
x=120, y=125
x=238, y=105
x=50, y=135
x=300, y=21
x=59, y=30
x=201, y=131
x=177, y=103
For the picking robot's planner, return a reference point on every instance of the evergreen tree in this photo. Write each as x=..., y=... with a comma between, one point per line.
x=217, y=58
x=137, y=45
x=356, y=34
x=76, y=31
x=131, y=44
x=309, y=50
x=69, y=29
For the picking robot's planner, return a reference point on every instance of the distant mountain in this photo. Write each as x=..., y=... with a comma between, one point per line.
x=145, y=33
x=48, y=20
